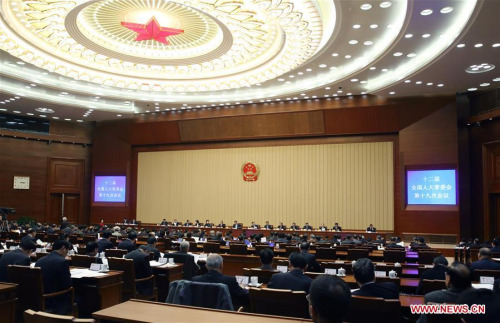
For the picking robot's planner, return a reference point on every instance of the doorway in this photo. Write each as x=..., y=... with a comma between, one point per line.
x=64, y=204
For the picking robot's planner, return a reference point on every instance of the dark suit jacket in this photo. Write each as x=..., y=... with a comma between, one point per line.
x=15, y=257
x=268, y=226
x=307, y=227
x=395, y=245
x=294, y=280
x=386, y=290
x=239, y=295
x=312, y=264
x=495, y=249
x=437, y=272
x=295, y=227
x=221, y=225
x=188, y=263
x=142, y=269
x=371, y=229
x=127, y=245
x=449, y=295
x=104, y=244
x=155, y=251
x=282, y=227
x=485, y=264
x=337, y=228
x=236, y=226
x=56, y=277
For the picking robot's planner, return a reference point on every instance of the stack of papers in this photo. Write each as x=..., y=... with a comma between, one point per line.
x=80, y=273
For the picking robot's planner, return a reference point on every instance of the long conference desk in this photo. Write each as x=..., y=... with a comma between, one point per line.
x=265, y=232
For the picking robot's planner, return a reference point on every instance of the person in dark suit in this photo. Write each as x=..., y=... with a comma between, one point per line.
x=281, y=226
x=221, y=224
x=496, y=245
x=266, y=259
x=323, y=227
x=485, y=261
x=142, y=269
x=395, y=245
x=436, y=272
x=236, y=225
x=151, y=247
x=188, y=223
x=458, y=278
x=183, y=250
x=175, y=223
x=125, y=221
x=295, y=278
x=312, y=264
x=92, y=250
x=19, y=257
x=337, y=227
x=253, y=226
x=31, y=233
x=134, y=222
x=208, y=224
x=364, y=273
x=268, y=226
x=329, y=299
x=64, y=223
x=239, y=296
x=164, y=222
x=483, y=296
x=56, y=277
x=307, y=226
x=371, y=228
x=128, y=243
x=104, y=242
x=294, y=226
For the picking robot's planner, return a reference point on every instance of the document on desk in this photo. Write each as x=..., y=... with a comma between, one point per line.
x=154, y=263
x=80, y=273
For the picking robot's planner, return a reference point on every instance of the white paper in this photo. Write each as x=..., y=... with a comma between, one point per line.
x=79, y=273
x=283, y=269
x=263, y=239
x=330, y=271
x=338, y=262
x=487, y=286
x=154, y=263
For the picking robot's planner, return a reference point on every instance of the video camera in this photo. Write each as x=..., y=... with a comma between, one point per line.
x=6, y=211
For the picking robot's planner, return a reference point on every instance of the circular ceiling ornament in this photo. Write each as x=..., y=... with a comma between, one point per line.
x=225, y=44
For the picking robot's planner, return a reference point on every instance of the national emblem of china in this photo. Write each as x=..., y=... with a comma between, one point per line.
x=250, y=172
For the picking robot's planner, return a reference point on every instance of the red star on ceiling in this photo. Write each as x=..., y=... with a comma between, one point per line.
x=152, y=30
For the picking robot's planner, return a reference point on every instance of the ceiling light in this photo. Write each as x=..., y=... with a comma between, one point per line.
x=484, y=84
x=20, y=111
x=55, y=118
x=335, y=54
x=353, y=42
x=392, y=93
x=397, y=54
x=430, y=83
x=446, y=10
x=356, y=26
x=368, y=43
x=496, y=45
x=384, y=70
x=281, y=80
x=354, y=80
x=407, y=81
x=308, y=70
x=363, y=82
x=43, y=116
x=478, y=45
x=67, y=119
x=426, y=35
x=79, y=120
x=300, y=73
x=347, y=56
x=44, y=110
x=373, y=68
x=118, y=115
x=496, y=79
x=20, y=63
x=322, y=65
x=411, y=55
x=426, y=12
x=385, y=4
x=472, y=89
x=461, y=45
x=440, y=85
x=373, y=26
x=418, y=82
x=482, y=68
x=408, y=35
x=366, y=6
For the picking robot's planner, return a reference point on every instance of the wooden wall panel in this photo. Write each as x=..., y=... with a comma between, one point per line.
x=347, y=183
x=154, y=133
x=250, y=127
x=65, y=175
x=362, y=120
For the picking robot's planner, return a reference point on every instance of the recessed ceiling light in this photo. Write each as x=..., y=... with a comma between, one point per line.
x=335, y=54
x=478, y=45
x=281, y=80
x=20, y=63
x=407, y=81
x=385, y=4
x=482, y=68
x=67, y=119
x=426, y=12
x=496, y=45
x=118, y=115
x=368, y=43
x=79, y=120
x=391, y=93
x=30, y=114
x=291, y=76
x=44, y=110
x=397, y=54
x=418, y=82
x=366, y=6
x=327, y=88
x=426, y=35
x=354, y=80
x=440, y=85
x=356, y=26
x=408, y=35
x=64, y=93
x=390, y=26
x=484, y=84
x=353, y=42
x=300, y=73
x=55, y=118
x=322, y=65
x=430, y=83
x=363, y=82
x=446, y=10
x=373, y=26
x=496, y=79
x=384, y=70
x=411, y=55
x=373, y=68
x=347, y=56
x=472, y=89
x=20, y=111
x=461, y=45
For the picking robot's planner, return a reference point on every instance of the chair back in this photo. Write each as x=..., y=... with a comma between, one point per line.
x=485, y=272
x=238, y=249
x=81, y=250
x=430, y=285
x=395, y=255
x=344, y=247
x=277, y=302
x=184, y=292
x=396, y=280
x=373, y=309
x=30, y=287
x=117, y=253
x=264, y=275
x=9, y=244
x=210, y=247
x=355, y=253
x=427, y=256
x=193, y=246
x=290, y=249
x=127, y=266
x=13, y=235
x=41, y=255
x=259, y=247
x=167, y=243
x=52, y=237
x=82, y=261
x=89, y=238
x=73, y=238
x=326, y=253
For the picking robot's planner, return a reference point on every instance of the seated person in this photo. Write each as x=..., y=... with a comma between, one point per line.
x=56, y=277
x=268, y=226
x=31, y=233
x=364, y=273
x=176, y=223
x=371, y=228
x=189, y=237
x=197, y=223
x=142, y=269
x=312, y=264
x=151, y=248
x=329, y=299
x=379, y=240
x=281, y=226
x=104, y=242
x=91, y=250
x=164, y=222
x=208, y=224
x=214, y=265
x=253, y=225
x=348, y=240
x=336, y=227
x=188, y=223
x=128, y=243
x=19, y=257
x=394, y=244
x=183, y=250
x=485, y=261
x=294, y=226
x=437, y=272
x=482, y=296
x=294, y=279
x=495, y=245
x=221, y=224
x=236, y=225
x=323, y=227
x=266, y=259
x=307, y=227
x=458, y=278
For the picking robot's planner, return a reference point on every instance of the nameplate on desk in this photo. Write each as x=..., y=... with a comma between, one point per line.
x=380, y=273
x=487, y=280
x=283, y=269
x=96, y=267
x=338, y=262
x=163, y=260
x=330, y=271
x=242, y=280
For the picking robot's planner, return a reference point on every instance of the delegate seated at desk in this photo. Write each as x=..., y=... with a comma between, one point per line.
x=254, y=226
x=142, y=269
x=371, y=228
x=221, y=224
x=364, y=273
x=236, y=225
x=307, y=226
x=322, y=227
x=266, y=259
x=183, y=250
x=19, y=257
x=294, y=226
x=208, y=224
x=337, y=227
x=281, y=226
x=268, y=226
x=295, y=278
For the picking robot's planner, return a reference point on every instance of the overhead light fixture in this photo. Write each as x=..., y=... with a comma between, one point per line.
x=366, y=6
x=472, y=89
x=385, y=4
x=446, y=10
x=426, y=12
x=482, y=68
x=478, y=45
x=408, y=35
x=44, y=110
x=461, y=45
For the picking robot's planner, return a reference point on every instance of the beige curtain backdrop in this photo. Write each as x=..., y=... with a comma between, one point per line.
x=347, y=183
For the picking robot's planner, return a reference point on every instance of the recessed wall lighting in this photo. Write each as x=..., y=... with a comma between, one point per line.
x=446, y=10
x=366, y=6
x=426, y=12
